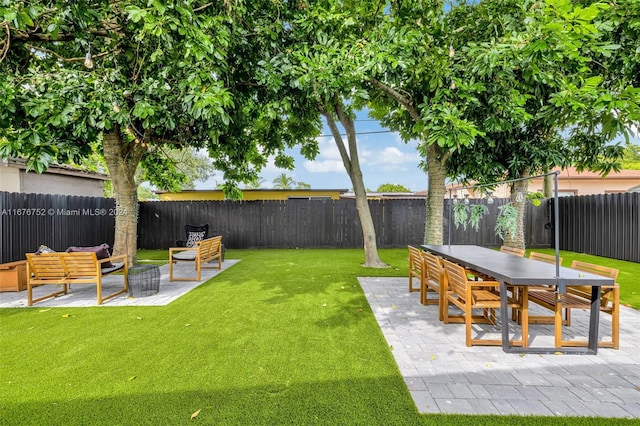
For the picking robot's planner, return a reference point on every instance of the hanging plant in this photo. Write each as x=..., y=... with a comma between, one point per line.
x=535, y=198
x=506, y=222
x=478, y=211
x=461, y=215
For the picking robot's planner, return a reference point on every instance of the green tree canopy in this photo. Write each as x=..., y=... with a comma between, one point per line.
x=139, y=77
x=392, y=187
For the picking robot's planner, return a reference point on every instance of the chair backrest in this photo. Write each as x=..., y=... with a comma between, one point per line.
x=545, y=257
x=46, y=266
x=81, y=264
x=196, y=233
x=512, y=250
x=434, y=269
x=416, y=265
x=209, y=247
x=605, y=271
x=457, y=278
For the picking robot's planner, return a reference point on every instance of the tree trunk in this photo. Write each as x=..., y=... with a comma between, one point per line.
x=547, y=186
x=519, y=191
x=437, y=172
x=352, y=165
x=122, y=160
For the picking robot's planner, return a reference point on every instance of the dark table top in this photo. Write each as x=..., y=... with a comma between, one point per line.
x=513, y=269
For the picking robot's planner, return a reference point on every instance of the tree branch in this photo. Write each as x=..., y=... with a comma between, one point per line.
x=395, y=94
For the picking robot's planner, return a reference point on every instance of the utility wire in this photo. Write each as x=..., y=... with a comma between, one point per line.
x=358, y=133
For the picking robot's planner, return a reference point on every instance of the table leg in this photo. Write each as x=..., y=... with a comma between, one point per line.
x=594, y=319
x=504, y=316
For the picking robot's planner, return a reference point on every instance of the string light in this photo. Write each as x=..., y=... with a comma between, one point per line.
x=489, y=197
x=88, y=62
x=466, y=198
x=451, y=51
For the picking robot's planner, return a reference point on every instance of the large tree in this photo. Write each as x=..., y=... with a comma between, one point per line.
x=136, y=74
x=529, y=64
x=491, y=72
x=321, y=61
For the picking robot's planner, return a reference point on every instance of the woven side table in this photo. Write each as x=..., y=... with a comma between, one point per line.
x=144, y=280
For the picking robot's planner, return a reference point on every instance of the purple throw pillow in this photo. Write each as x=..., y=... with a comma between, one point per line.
x=101, y=251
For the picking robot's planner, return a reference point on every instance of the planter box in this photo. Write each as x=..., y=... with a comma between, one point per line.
x=13, y=276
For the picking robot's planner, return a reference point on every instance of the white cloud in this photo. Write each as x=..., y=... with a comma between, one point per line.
x=324, y=166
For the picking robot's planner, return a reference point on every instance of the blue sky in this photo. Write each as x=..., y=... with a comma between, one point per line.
x=384, y=158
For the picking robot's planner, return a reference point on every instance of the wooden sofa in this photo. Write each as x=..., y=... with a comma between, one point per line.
x=71, y=268
x=202, y=253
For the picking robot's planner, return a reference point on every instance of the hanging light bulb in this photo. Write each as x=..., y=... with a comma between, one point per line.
x=451, y=51
x=88, y=62
x=489, y=197
x=466, y=198
x=452, y=86
x=116, y=107
x=519, y=197
x=455, y=198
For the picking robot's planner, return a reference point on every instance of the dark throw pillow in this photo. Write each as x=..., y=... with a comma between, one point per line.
x=101, y=251
x=194, y=237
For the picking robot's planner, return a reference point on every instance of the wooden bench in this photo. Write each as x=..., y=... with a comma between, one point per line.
x=71, y=268
x=202, y=253
x=580, y=298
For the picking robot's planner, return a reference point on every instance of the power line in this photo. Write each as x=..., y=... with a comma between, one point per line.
x=359, y=133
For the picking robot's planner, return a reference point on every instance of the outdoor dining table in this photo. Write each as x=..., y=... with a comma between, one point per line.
x=512, y=270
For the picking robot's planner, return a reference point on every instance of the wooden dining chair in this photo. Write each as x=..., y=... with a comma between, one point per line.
x=580, y=298
x=469, y=295
x=435, y=282
x=512, y=250
x=544, y=319
x=416, y=268
x=543, y=257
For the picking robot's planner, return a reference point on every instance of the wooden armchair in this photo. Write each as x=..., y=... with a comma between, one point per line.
x=200, y=254
x=580, y=298
x=469, y=295
x=416, y=268
x=436, y=281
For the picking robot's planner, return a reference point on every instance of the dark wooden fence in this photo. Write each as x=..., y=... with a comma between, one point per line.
x=604, y=225
x=57, y=221
x=316, y=223
x=607, y=225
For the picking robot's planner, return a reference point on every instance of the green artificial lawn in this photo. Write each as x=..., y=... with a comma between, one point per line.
x=282, y=337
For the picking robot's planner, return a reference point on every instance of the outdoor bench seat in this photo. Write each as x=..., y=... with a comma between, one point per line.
x=201, y=253
x=72, y=268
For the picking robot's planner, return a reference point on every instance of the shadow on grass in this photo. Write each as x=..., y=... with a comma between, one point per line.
x=377, y=401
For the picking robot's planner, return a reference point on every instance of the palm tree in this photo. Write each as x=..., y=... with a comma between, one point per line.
x=283, y=182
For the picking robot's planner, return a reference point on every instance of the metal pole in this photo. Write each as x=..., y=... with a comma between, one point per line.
x=556, y=224
x=450, y=215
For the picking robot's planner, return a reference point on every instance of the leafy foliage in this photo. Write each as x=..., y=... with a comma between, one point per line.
x=507, y=221
x=461, y=214
x=478, y=211
x=392, y=187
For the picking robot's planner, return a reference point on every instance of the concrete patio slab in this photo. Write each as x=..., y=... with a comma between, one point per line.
x=84, y=295
x=445, y=376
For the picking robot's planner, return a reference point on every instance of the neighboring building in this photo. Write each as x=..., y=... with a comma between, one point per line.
x=388, y=195
x=571, y=182
x=253, y=194
x=57, y=179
